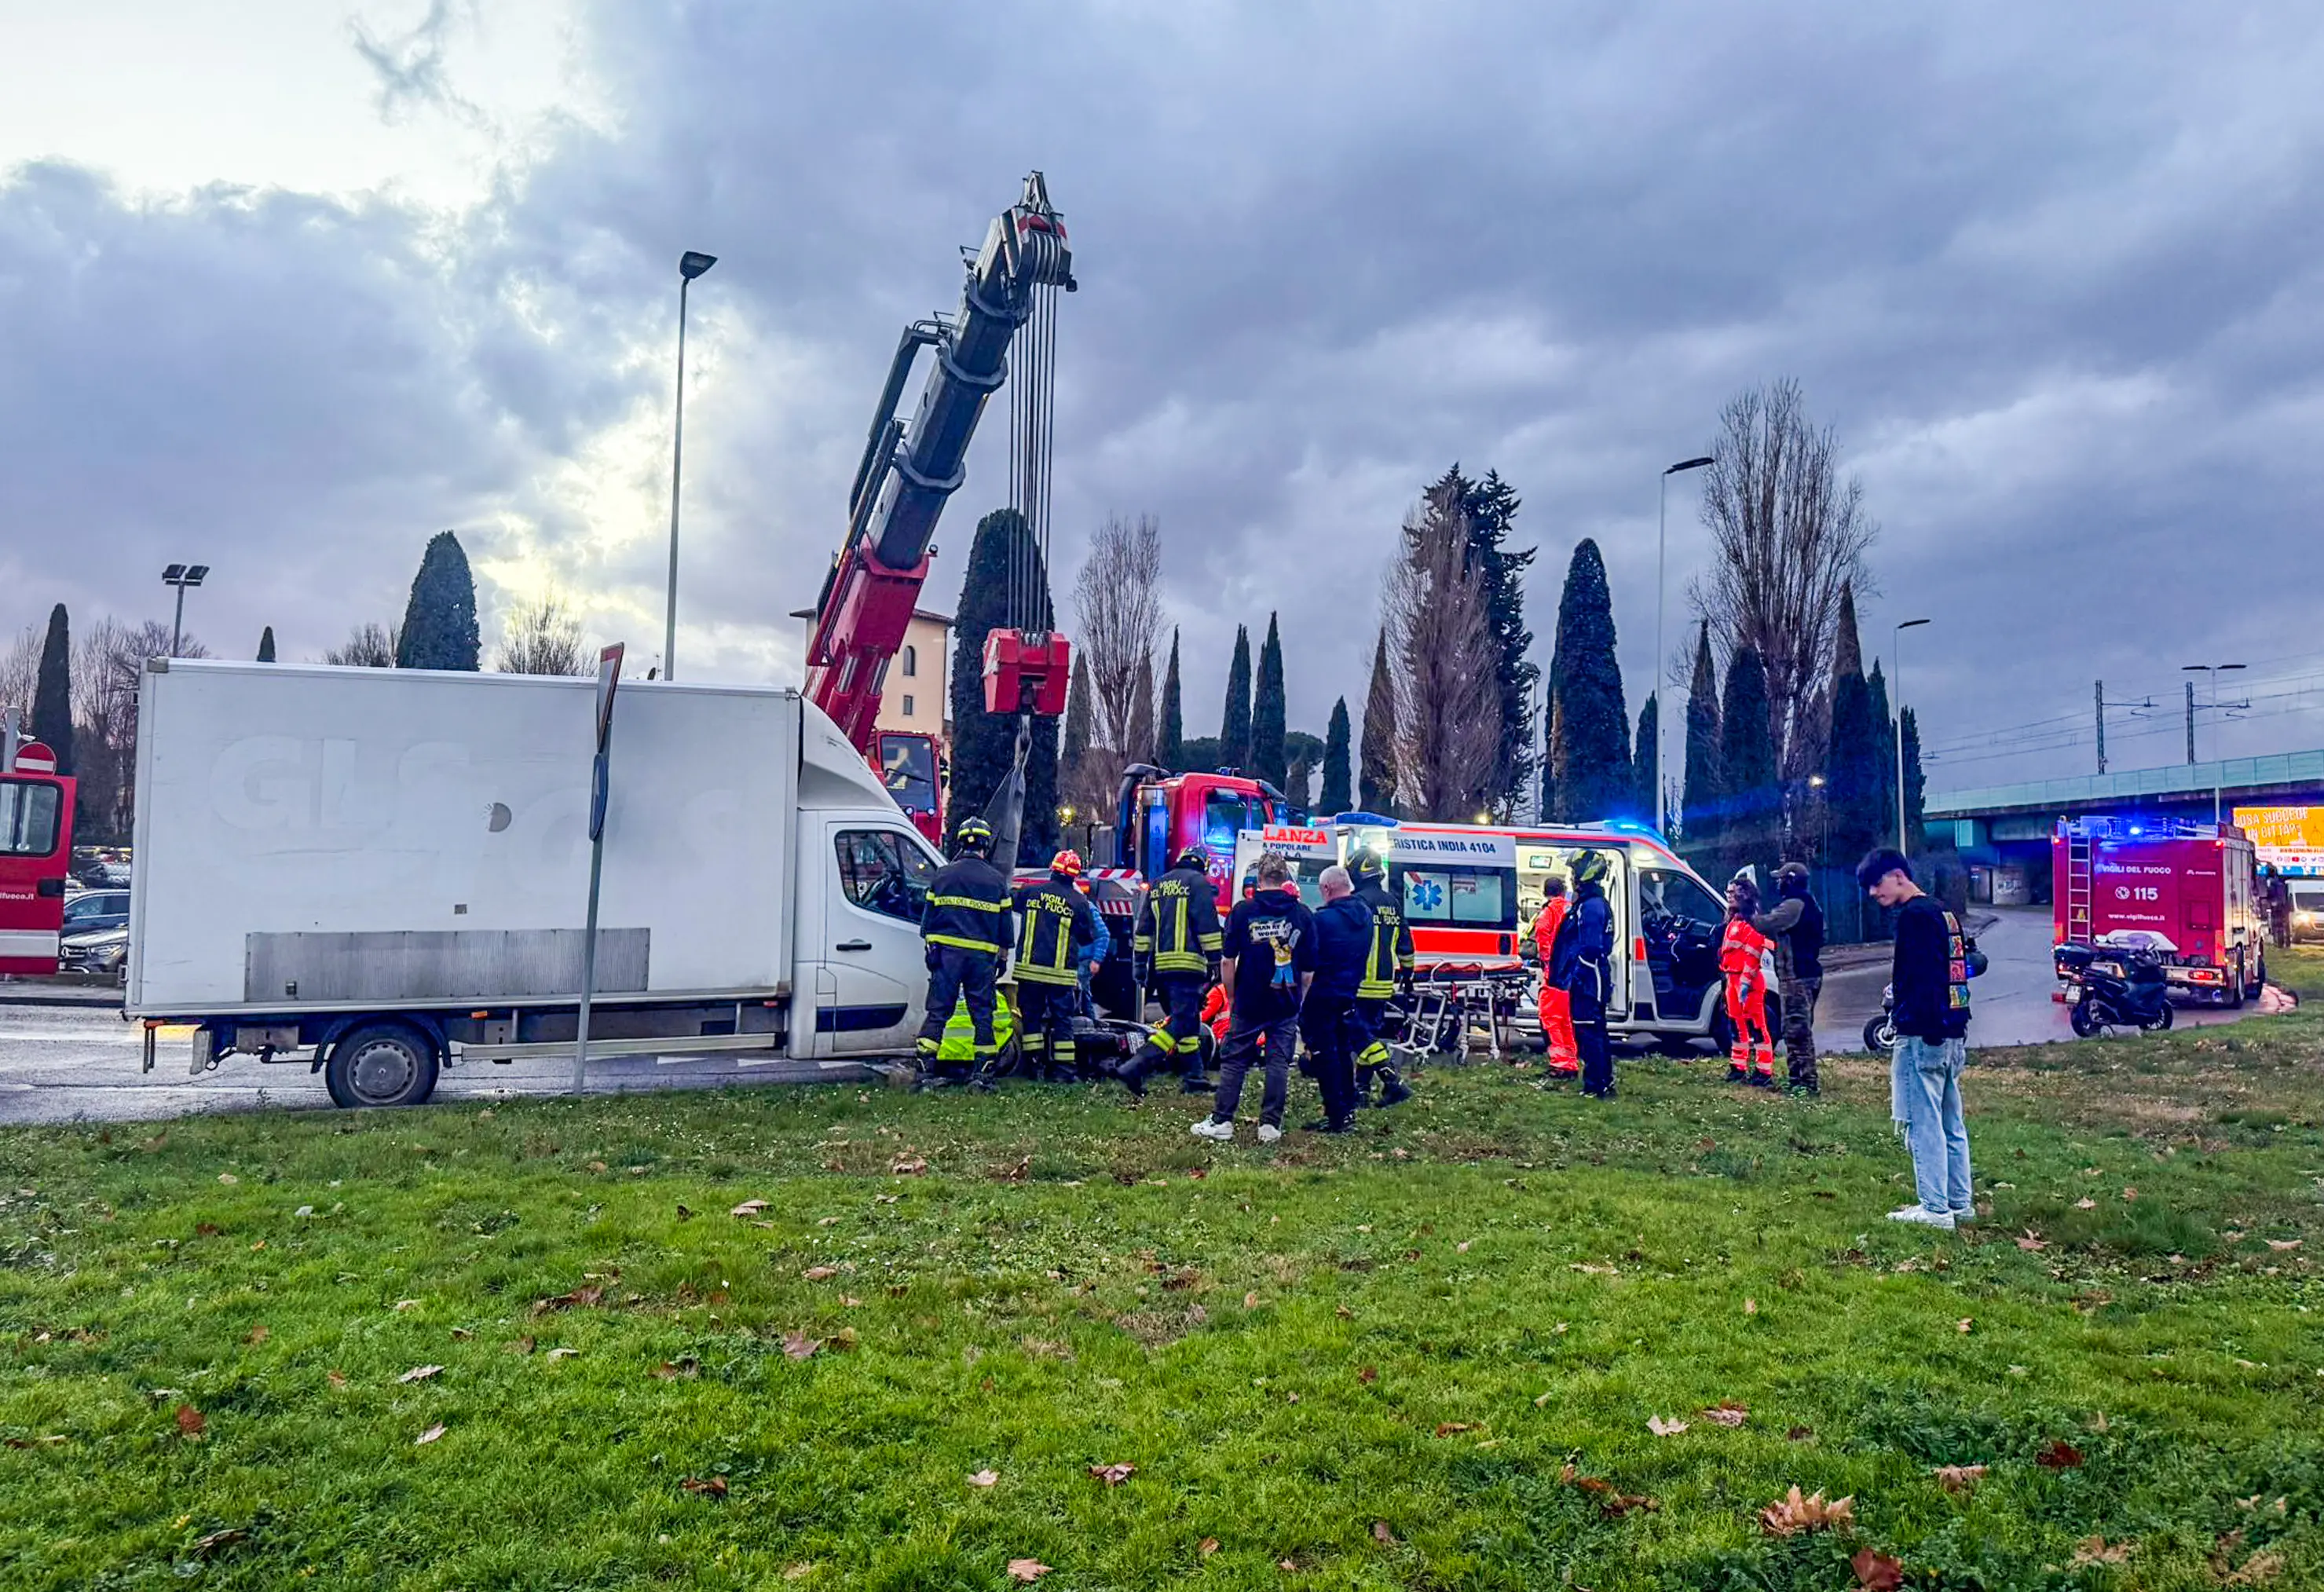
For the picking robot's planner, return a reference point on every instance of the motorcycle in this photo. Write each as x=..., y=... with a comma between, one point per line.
x=2114, y=987
x=1880, y=1028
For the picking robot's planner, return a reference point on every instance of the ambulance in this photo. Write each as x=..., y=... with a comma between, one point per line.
x=1470, y=893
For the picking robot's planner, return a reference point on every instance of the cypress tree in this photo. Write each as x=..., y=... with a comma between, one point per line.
x=1334, y=796
x=266, y=645
x=1884, y=732
x=1141, y=713
x=1754, y=804
x=985, y=745
x=1170, y=743
x=1643, y=761
x=1268, y=759
x=1234, y=726
x=1299, y=784
x=1852, y=778
x=1916, y=784
x=52, y=718
x=1491, y=506
x=1074, y=770
x=1590, y=749
x=1376, y=773
x=439, y=621
x=1699, y=801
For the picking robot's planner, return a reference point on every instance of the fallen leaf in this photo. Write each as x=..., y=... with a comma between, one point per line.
x=1792, y=1513
x=521, y=1345
x=798, y=1346
x=1728, y=1412
x=1964, y=1324
x=2085, y=1204
x=407, y=1304
x=461, y=1335
x=429, y=1436
x=1027, y=1569
x=596, y=1166
x=1959, y=1478
x=1207, y=1546
x=1251, y=1299
x=1289, y=1566
x=1113, y=1476
x=1750, y=1307
x=912, y=1167
x=420, y=1372
x=709, y=1486
x=561, y=1354
x=579, y=1299
x=984, y=1478
x=1369, y=1374
x=1382, y=1535
x=190, y=1420
x=336, y=1378
x=2032, y=1243
x=1875, y=1571
x=1461, y=1248
x=257, y=1334
x=2283, y=1243
x=1545, y=1399
x=2098, y=1550
x=207, y=1230
x=748, y=1208
x=228, y=1178
x=1799, y=1434
x=819, y=1274
x=1449, y=1428
x=1343, y=1312
x=798, y=1572
x=684, y=1214
x=218, y=1540
x=2060, y=1455
x=1662, y=1428
x=678, y=1370
x=2130, y=1194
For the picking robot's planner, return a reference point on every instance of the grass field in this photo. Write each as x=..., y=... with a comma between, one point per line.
x=1426, y=1356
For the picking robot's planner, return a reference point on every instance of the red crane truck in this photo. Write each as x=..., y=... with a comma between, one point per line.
x=2185, y=890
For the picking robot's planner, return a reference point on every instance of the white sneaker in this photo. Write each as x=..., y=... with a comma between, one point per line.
x=1923, y=1217
x=1268, y=1133
x=1215, y=1131
x=1964, y=1215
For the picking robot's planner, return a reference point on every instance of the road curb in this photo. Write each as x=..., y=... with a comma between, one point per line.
x=97, y=1001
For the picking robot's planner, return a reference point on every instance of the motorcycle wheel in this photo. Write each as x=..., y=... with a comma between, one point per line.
x=1880, y=1034
x=2161, y=1020
x=2084, y=1018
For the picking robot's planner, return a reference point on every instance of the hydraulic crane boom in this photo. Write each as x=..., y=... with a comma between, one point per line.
x=908, y=472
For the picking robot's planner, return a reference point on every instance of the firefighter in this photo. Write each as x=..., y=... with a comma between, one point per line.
x=964, y=925
x=1387, y=966
x=1581, y=964
x=1176, y=943
x=1743, y=958
x=1055, y=920
x=1795, y=925
x=1556, y=1010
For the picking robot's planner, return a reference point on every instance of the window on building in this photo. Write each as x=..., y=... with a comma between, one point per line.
x=911, y=663
x=908, y=704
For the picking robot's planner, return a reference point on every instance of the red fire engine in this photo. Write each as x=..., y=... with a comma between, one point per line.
x=2186, y=890
x=36, y=822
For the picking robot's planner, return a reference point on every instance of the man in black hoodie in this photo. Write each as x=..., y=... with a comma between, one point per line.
x=1795, y=923
x=1581, y=964
x=1930, y=979
x=1268, y=962
x=1328, y=1018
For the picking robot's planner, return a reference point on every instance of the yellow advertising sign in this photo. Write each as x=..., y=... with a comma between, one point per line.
x=2291, y=837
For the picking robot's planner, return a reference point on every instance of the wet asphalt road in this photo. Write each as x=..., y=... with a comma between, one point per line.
x=66, y=1063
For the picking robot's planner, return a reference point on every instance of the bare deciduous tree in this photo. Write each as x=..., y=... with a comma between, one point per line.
x=108, y=666
x=1787, y=535
x=1438, y=617
x=1117, y=606
x=367, y=647
x=19, y=668
x=543, y=638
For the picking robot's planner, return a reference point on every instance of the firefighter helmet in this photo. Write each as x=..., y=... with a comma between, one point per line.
x=1366, y=866
x=974, y=834
x=1192, y=857
x=1068, y=862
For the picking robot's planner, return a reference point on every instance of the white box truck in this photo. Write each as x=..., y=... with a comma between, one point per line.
x=381, y=872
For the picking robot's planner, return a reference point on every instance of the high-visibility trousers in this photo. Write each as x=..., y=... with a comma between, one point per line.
x=1557, y=1028
x=1752, y=1048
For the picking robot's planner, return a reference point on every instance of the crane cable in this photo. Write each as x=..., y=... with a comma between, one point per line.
x=1032, y=431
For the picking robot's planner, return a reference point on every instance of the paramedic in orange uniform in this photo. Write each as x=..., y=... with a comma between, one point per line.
x=1743, y=960
x=1557, y=1006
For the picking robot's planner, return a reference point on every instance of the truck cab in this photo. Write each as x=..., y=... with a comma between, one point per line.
x=36, y=822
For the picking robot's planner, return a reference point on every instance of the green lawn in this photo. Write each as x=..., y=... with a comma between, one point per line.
x=1353, y=1364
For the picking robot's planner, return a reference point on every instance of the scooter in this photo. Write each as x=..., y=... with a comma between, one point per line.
x=1880, y=1027
x=2114, y=987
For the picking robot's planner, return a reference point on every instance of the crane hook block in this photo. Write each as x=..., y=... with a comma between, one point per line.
x=1027, y=671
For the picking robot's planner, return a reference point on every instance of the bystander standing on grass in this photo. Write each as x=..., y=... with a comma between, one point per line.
x=1930, y=976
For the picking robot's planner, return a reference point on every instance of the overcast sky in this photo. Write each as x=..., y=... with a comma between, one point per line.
x=286, y=287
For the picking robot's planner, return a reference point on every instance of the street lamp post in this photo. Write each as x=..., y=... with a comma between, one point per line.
x=2214, y=670
x=1662, y=695
x=1897, y=654
x=690, y=265
x=181, y=575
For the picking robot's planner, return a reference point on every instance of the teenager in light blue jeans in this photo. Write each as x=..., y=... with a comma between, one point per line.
x=1926, y=1090
x=1929, y=985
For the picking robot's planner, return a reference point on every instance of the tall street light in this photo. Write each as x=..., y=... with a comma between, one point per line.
x=181, y=575
x=1662, y=681
x=1896, y=656
x=2215, y=670
x=690, y=265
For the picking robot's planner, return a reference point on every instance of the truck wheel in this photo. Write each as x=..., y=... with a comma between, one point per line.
x=2232, y=997
x=382, y=1064
x=2259, y=978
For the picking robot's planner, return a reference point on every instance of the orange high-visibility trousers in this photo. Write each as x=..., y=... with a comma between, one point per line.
x=1753, y=1047
x=1557, y=1028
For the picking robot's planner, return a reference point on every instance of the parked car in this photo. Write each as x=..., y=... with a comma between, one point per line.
x=92, y=910
x=104, y=952
x=2307, y=910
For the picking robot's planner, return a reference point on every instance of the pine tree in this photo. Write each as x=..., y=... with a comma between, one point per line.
x=1376, y=770
x=439, y=622
x=1916, y=784
x=1643, y=761
x=1074, y=773
x=985, y=745
x=266, y=645
x=1753, y=827
x=1336, y=794
x=1491, y=506
x=1589, y=751
x=1299, y=785
x=1268, y=760
x=1705, y=782
x=1170, y=745
x=52, y=718
x=1234, y=726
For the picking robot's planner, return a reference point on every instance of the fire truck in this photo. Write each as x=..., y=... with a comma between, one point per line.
x=36, y=824
x=2186, y=891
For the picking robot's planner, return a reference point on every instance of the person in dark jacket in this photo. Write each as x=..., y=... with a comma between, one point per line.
x=1930, y=979
x=1795, y=923
x=1269, y=961
x=1581, y=964
x=1176, y=945
x=1328, y=1018
x=1054, y=922
x=1388, y=966
x=964, y=925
